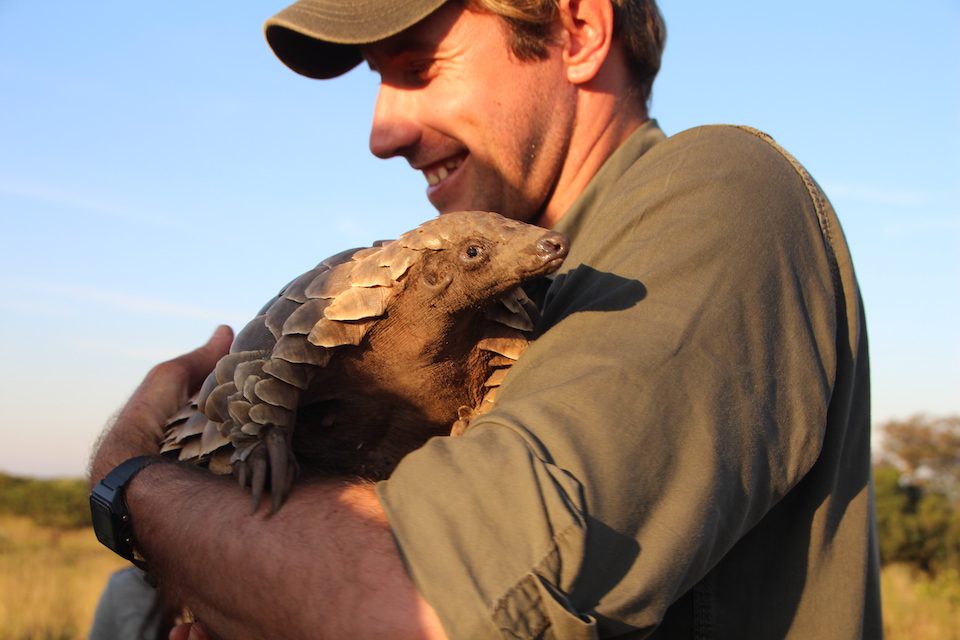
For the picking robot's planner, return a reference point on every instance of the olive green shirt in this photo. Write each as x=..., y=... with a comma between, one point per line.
x=685, y=450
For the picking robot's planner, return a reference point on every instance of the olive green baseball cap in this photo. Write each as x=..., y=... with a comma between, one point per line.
x=321, y=38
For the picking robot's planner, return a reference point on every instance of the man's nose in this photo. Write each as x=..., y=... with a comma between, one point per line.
x=395, y=128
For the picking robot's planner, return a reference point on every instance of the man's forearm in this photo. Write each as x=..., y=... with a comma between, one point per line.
x=324, y=566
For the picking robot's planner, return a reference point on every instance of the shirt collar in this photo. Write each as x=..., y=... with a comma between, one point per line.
x=639, y=142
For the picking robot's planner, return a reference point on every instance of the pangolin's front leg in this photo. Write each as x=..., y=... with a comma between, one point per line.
x=263, y=414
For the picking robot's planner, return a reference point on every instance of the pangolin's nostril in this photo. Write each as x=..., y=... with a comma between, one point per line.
x=552, y=245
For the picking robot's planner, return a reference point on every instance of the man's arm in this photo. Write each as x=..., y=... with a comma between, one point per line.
x=325, y=566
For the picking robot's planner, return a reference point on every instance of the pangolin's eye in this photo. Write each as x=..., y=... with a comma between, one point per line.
x=473, y=254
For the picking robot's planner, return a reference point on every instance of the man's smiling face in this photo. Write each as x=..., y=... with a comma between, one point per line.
x=488, y=131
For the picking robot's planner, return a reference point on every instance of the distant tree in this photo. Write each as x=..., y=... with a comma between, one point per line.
x=917, y=486
x=915, y=526
x=926, y=451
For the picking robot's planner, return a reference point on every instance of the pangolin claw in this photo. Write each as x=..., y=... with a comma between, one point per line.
x=279, y=485
x=269, y=458
x=241, y=470
x=258, y=460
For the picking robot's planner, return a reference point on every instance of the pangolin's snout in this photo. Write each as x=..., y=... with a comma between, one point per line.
x=553, y=246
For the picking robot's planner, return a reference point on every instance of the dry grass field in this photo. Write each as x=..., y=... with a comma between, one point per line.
x=50, y=581
x=916, y=608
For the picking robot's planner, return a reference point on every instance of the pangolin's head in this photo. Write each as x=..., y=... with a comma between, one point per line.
x=470, y=258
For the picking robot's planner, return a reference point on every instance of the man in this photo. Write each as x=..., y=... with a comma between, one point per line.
x=684, y=451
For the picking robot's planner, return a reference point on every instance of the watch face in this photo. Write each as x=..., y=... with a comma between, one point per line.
x=103, y=523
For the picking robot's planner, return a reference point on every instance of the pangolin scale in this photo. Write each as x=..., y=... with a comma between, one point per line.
x=363, y=358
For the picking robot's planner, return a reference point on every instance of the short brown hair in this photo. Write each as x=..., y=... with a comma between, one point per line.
x=636, y=23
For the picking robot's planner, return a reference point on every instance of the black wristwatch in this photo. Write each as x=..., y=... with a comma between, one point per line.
x=108, y=506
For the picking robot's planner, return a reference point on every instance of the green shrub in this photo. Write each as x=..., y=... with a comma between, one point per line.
x=917, y=525
x=61, y=503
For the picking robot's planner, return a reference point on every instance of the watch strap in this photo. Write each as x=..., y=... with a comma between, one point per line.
x=124, y=472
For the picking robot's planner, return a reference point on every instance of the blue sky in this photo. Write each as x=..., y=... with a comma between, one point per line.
x=161, y=172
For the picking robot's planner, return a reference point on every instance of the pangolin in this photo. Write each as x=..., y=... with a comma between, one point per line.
x=363, y=358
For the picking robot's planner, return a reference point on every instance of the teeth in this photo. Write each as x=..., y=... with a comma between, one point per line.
x=436, y=176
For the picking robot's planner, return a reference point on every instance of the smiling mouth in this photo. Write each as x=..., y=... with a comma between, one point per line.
x=440, y=171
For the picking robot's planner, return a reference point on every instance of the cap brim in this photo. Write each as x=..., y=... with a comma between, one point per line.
x=321, y=38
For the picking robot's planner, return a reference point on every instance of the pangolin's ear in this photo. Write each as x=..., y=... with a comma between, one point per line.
x=437, y=273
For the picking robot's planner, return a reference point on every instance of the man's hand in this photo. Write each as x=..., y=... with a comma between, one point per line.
x=138, y=427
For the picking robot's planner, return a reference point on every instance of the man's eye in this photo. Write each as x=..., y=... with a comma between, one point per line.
x=420, y=73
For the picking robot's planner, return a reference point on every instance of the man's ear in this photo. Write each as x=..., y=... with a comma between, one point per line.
x=587, y=37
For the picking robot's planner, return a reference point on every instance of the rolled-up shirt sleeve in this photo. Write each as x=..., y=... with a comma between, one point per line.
x=679, y=390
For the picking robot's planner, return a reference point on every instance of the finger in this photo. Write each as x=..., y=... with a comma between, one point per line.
x=188, y=631
x=202, y=360
x=169, y=384
x=180, y=632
